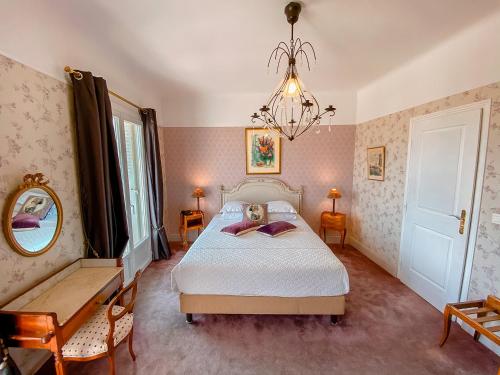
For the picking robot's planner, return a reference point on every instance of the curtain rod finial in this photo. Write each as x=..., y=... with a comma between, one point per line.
x=78, y=75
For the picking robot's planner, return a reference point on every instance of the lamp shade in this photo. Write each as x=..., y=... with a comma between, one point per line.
x=334, y=194
x=198, y=193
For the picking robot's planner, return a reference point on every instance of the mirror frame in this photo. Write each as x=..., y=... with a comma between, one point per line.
x=30, y=181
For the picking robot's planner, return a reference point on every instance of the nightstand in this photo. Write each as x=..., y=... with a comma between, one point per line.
x=193, y=221
x=334, y=221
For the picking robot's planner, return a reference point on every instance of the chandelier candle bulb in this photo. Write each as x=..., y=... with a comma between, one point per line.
x=291, y=109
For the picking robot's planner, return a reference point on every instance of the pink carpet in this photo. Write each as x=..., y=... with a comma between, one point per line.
x=388, y=329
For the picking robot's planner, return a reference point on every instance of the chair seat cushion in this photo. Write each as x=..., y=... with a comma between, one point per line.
x=90, y=339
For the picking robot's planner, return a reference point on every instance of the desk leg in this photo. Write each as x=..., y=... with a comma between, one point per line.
x=59, y=363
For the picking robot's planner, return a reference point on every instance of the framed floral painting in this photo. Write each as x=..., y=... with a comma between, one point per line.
x=376, y=163
x=263, y=151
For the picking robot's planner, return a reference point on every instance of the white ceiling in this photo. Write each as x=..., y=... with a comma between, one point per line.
x=191, y=51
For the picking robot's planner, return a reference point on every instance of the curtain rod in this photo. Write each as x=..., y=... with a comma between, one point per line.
x=77, y=74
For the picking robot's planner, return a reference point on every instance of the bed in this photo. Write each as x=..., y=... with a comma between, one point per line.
x=295, y=273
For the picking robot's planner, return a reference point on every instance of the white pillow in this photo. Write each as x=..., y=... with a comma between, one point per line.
x=281, y=216
x=281, y=207
x=232, y=215
x=233, y=206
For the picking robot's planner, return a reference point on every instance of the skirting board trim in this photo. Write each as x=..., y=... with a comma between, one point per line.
x=372, y=255
x=486, y=342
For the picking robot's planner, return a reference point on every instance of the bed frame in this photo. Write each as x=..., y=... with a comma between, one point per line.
x=261, y=190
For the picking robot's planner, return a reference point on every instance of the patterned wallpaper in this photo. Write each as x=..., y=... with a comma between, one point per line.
x=209, y=157
x=377, y=206
x=36, y=136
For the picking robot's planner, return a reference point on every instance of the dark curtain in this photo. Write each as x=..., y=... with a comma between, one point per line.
x=102, y=201
x=161, y=248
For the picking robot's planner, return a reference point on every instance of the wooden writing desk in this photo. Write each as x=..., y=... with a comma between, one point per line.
x=46, y=316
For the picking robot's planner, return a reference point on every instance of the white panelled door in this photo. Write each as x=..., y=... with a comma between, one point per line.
x=442, y=167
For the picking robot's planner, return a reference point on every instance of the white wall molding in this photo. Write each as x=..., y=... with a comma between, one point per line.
x=467, y=60
x=483, y=340
x=213, y=110
x=371, y=254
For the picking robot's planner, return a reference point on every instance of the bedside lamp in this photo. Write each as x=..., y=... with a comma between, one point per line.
x=198, y=193
x=334, y=194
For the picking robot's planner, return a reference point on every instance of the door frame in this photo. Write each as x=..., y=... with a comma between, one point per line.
x=485, y=105
x=124, y=113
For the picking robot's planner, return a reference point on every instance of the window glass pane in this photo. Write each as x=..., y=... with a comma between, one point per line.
x=116, y=127
x=136, y=172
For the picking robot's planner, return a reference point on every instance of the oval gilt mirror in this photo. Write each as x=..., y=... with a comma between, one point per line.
x=33, y=216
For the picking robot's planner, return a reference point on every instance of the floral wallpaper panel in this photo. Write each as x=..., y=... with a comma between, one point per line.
x=36, y=135
x=377, y=207
x=210, y=157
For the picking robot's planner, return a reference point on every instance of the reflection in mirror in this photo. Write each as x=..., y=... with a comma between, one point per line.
x=34, y=219
x=33, y=216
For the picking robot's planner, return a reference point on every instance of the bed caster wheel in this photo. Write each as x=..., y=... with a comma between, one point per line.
x=334, y=320
x=189, y=318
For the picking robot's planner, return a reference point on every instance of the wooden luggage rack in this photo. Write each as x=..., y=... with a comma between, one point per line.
x=486, y=311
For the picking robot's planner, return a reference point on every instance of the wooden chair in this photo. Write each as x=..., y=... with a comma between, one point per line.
x=486, y=311
x=110, y=326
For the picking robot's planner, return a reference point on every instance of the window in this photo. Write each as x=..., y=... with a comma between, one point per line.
x=131, y=155
x=136, y=170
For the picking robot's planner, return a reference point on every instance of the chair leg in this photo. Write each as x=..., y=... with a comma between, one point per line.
x=477, y=335
x=111, y=361
x=59, y=363
x=130, y=348
x=447, y=324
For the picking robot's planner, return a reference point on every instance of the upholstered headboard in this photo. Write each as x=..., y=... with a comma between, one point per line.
x=262, y=190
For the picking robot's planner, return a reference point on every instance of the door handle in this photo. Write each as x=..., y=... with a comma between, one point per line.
x=462, y=221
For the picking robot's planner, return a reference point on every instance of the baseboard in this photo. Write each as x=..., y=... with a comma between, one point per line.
x=333, y=238
x=372, y=255
x=173, y=237
x=483, y=340
x=145, y=264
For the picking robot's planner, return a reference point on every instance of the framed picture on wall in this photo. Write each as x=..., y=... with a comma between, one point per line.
x=263, y=151
x=376, y=163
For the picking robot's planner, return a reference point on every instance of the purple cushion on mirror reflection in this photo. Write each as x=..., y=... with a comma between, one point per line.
x=276, y=228
x=239, y=228
x=25, y=221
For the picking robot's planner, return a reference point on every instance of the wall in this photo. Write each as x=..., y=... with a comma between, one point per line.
x=36, y=135
x=189, y=109
x=72, y=33
x=377, y=206
x=469, y=59
x=209, y=157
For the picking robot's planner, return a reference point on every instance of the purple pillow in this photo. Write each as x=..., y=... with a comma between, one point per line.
x=276, y=228
x=25, y=221
x=240, y=228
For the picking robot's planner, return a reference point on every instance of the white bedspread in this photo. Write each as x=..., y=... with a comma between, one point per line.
x=295, y=264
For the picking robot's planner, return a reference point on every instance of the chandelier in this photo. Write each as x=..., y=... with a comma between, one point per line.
x=291, y=110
